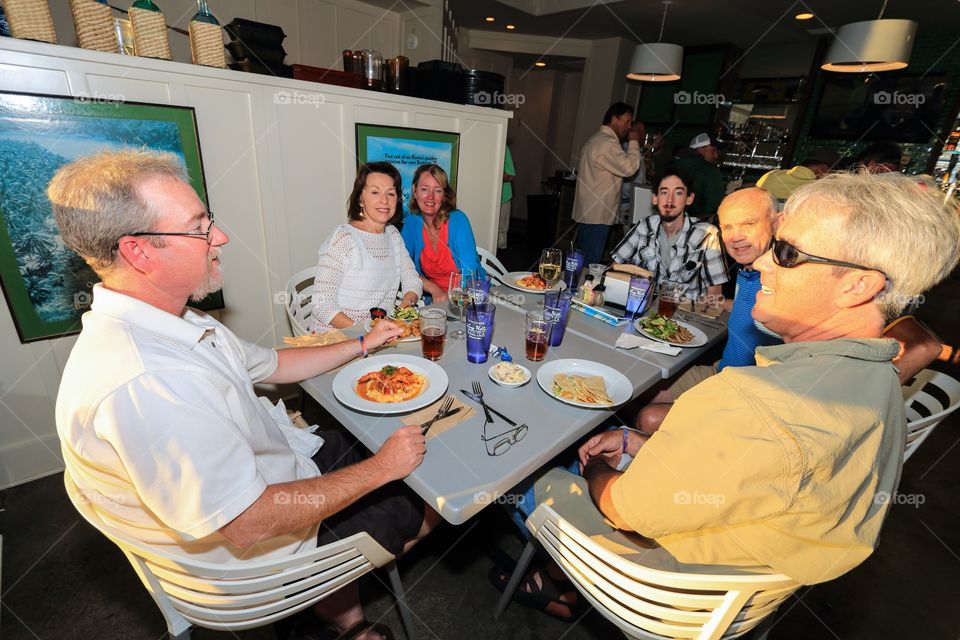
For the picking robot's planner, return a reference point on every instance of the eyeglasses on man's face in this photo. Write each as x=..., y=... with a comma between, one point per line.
x=186, y=234
x=788, y=256
x=501, y=444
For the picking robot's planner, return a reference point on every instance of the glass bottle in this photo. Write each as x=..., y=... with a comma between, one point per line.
x=206, y=38
x=149, y=30
x=95, y=25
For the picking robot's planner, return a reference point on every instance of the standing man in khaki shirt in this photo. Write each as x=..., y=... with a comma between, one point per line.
x=603, y=166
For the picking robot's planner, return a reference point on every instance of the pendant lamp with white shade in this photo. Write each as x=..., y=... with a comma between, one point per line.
x=872, y=45
x=657, y=61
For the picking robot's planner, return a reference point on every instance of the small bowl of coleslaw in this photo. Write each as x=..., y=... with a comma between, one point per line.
x=509, y=374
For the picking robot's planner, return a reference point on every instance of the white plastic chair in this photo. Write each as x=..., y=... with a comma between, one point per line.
x=650, y=603
x=246, y=594
x=299, y=299
x=929, y=398
x=492, y=266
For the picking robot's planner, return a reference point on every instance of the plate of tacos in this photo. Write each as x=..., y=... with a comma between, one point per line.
x=584, y=383
x=389, y=384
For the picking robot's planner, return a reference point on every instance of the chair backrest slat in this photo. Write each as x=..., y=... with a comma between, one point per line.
x=251, y=597
x=653, y=603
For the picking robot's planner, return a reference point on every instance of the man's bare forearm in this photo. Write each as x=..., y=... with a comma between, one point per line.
x=297, y=364
x=293, y=506
x=600, y=478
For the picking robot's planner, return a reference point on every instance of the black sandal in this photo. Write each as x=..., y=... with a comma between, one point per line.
x=540, y=598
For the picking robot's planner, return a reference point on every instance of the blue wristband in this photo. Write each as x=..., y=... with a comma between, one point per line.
x=363, y=347
x=624, y=440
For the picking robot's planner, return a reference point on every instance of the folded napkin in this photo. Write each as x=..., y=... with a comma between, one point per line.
x=317, y=339
x=700, y=308
x=302, y=440
x=630, y=341
x=425, y=414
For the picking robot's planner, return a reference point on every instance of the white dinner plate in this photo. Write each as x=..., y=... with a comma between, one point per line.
x=368, y=327
x=699, y=337
x=344, y=384
x=618, y=386
x=503, y=383
x=510, y=280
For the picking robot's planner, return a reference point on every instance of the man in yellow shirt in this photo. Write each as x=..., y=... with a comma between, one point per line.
x=791, y=464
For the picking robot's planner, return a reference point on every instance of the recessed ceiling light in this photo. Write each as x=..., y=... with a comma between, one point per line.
x=489, y=18
x=511, y=27
x=540, y=63
x=800, y=16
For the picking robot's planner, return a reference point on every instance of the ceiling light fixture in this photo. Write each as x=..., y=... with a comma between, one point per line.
x=511, y=27
x=659, y=61
x=873, y=45
x=539, y=63
x=489, y=18
x=799, y=16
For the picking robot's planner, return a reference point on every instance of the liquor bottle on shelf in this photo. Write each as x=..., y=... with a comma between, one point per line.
x=149, y=30
x=206, y=38
x=95, y=26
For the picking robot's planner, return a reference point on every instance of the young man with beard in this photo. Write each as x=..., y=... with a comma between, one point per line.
x=675, y=246
x=159, y=422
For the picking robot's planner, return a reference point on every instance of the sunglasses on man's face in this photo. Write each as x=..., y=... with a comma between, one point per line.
x=788, y=256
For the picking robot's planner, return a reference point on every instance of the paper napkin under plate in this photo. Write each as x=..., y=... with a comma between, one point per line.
x=631, y=341
x=424, y=415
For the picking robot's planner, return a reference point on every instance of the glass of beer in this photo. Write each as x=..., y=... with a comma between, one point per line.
x=537, y=335
x=671, y=293
x=433, y=330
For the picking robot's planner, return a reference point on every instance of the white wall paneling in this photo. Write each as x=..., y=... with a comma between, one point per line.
x=278, y=172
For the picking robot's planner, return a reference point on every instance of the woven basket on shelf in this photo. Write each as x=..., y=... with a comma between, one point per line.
x=30, y=20
x=150, y=34
x=95, y=27
x=206, y=44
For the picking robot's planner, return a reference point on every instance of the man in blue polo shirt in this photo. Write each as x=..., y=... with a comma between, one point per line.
x=748, y=219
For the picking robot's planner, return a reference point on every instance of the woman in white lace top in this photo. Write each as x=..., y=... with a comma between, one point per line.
x=364, y=262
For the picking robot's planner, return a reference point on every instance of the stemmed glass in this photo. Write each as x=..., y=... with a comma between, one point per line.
x=457, y=292
x=551, y=264
x=551, y=261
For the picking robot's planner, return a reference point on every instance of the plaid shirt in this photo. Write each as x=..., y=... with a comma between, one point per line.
x=697, y=255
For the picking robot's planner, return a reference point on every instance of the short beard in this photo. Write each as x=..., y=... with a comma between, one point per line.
x=668, y=219
x=212, y=281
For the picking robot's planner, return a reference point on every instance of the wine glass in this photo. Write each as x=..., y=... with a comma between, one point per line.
x=551, y=261
x=457, y=292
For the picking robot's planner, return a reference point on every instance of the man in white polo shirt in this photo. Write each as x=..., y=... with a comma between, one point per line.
x=159, y=422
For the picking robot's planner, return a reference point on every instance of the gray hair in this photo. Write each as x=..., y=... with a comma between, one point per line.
x=95, y=201
x=897, y=224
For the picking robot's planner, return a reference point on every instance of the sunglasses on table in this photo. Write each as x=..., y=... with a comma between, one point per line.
x=788, y=256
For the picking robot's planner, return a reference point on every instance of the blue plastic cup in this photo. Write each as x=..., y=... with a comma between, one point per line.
x=556, y=308
x=479, y=330
x=478, y=288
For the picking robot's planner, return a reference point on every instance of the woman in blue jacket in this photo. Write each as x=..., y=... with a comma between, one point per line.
x=437, y=235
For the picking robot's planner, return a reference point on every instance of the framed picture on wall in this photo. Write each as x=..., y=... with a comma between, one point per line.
x=407, y=149
x=46, y=285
